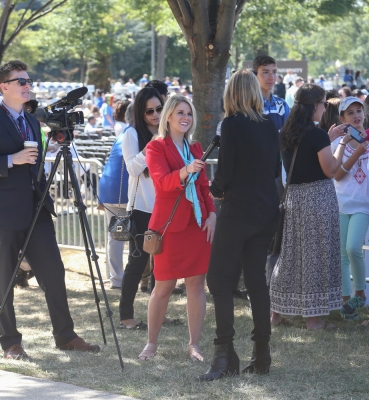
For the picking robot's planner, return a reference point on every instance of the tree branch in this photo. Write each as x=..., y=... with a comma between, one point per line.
x=4, y=14
x=228, y=14
x=5, y=26
x=185, y=11
x=34, y=17
x=25, y=11
x=201, y=23
x=239, y=5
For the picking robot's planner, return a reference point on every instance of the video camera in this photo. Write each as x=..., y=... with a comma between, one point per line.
x=61, y=122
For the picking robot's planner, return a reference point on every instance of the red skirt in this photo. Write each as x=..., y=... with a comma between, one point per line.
x=184, y=254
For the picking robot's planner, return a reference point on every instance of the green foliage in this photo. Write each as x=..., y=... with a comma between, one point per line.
x=26, y=46
x=153, y=12
x=262, y=21
x=81, y=27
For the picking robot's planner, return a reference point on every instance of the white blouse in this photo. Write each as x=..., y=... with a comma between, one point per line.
x=136, y=163
x=353, y=190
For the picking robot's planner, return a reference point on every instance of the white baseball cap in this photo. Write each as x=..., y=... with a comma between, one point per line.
x=346, y=103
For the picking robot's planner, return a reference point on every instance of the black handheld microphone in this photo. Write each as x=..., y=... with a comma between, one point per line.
x=71, y=96
x=214, y=143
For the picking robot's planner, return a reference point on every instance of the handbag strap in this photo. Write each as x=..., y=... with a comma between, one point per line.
x=175, y=207
x=289, y=175
x=134, y=199
x=121, y=184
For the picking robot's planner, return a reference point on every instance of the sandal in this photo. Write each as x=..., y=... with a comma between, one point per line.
x=195, y=353
x=139, y=327
x=148, y=352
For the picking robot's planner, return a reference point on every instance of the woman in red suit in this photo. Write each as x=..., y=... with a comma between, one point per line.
x=187, y=241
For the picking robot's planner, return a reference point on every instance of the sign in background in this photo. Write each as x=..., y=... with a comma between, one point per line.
x=299, y=68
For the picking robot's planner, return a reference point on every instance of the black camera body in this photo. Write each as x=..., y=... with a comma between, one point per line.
x=57, y=117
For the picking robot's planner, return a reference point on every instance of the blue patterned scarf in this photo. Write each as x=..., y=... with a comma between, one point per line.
x=191, y=194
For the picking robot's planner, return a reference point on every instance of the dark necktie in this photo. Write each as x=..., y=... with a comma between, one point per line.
x=22, y=127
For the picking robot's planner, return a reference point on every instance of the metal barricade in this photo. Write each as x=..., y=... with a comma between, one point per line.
x=67, y=226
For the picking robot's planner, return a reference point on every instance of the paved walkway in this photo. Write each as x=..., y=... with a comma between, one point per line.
x=16, y=386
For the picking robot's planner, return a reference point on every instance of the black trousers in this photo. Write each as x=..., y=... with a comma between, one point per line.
x=134, y=268
x=235, y=240
x=44, y=258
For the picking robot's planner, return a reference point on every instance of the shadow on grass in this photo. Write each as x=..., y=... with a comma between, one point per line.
x=306, y=365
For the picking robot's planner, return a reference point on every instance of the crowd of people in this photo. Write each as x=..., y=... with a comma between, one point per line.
x=309, y=138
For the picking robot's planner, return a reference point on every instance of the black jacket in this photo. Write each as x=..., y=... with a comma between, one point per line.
x=248, y=164
x=16, y=183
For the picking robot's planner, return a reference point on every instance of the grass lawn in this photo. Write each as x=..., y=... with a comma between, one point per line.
x=305, y=365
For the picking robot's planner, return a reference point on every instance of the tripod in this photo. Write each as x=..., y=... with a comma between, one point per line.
x=86, y=233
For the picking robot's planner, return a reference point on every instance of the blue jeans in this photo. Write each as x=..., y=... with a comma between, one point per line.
x=353, y=228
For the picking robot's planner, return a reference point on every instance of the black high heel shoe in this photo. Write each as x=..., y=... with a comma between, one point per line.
x=260, y=359
x=225, y=363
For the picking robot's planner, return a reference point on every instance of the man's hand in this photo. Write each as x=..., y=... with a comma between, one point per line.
x=26, y=156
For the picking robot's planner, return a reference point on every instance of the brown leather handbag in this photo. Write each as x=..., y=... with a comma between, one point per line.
x=153, y=240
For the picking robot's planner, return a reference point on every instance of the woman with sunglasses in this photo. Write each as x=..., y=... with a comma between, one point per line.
x=141, y=195
x=307, y=277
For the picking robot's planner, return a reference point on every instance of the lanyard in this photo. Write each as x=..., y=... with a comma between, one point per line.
x=24, y=137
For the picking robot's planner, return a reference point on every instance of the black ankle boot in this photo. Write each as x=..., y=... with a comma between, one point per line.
x=260, y=359
x=225, y=363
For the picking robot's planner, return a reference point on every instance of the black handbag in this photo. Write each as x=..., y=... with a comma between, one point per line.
x=123, y=227
x=277, y=240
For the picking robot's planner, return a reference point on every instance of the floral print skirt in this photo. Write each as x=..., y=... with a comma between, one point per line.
x=307, y=276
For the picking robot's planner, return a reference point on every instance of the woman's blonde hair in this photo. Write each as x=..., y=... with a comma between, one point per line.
x=168, y=109
x=243, y=95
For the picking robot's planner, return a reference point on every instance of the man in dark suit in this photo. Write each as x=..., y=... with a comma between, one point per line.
x=19, y=196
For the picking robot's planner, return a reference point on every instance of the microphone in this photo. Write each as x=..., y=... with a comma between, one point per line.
x=214, y=143
x=70, y=97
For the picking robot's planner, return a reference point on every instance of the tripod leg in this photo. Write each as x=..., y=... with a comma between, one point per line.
x=39, y=207
x=87, y=239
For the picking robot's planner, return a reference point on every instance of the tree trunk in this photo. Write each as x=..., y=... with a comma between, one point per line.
x=208, y=89
x=162, y=48
x=98, y=73
x=208, y=27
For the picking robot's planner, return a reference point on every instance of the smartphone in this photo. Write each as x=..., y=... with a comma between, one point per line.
x=354, y=133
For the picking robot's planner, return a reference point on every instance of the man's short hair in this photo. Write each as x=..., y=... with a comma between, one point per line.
x=298, y=79
x=261, y=61
x=91, y=117
x=160, y=86
x=7, y=68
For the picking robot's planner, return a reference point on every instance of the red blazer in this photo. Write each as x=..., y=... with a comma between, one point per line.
x=164, y=163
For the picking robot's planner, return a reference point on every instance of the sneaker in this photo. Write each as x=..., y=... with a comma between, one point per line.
x=349, y=309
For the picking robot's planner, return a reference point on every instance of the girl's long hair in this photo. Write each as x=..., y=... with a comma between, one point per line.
x=300, y=119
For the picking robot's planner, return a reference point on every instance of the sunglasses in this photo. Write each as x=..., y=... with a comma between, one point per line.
x=21, y=81
x=150, y=111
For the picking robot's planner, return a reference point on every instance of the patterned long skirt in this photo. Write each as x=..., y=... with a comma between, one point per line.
x=307, y=276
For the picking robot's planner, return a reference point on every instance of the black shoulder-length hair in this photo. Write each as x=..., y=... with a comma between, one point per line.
x=139, y=108
x=300, y=119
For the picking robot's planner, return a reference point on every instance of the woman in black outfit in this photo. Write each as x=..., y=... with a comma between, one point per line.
x=247, y=167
